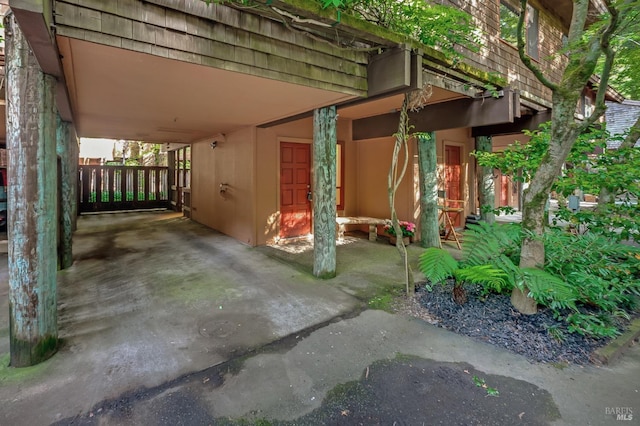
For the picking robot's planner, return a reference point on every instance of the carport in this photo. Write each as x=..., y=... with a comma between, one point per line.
x=128, y=71
x=188, y=73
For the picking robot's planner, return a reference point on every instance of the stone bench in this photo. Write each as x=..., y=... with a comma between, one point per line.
x=373, y=223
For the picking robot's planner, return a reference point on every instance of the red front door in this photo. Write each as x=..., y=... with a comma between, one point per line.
x=453, y=177
x=295, y=187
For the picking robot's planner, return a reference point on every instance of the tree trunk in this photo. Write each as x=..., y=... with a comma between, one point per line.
x=68, y=180
x=134, y=152
x=32, y=197
x=428, y=170
x=486, y=184
x=396, y=174
x=74, y=159
x=582, y=58
x=459, y=294
x=564, y=132
x=324, y=192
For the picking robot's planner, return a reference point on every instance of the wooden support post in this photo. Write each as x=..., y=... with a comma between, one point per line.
x=64, y=147
x=486, y=184
x=428, y=170
x=32, y=196
x=324, y=192
x=74, y=159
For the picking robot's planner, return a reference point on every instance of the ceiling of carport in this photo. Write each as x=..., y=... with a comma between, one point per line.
x=121, y=94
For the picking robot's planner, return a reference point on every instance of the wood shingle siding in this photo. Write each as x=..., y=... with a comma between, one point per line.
x=217, y=36
x=501, y=57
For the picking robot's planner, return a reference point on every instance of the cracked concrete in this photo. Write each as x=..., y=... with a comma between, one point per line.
x=164, y=321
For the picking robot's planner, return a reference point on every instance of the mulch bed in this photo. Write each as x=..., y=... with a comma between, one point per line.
x=493, y=319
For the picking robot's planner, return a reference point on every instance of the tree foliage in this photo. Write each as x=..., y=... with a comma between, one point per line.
x=625, y=76
x=590, y=47
x=586, y=170
x=434, y=25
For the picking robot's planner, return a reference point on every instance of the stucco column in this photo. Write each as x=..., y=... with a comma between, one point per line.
x=324, y=192
x=32, y=198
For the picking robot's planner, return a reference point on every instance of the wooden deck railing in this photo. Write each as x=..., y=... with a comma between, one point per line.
x=109, y=188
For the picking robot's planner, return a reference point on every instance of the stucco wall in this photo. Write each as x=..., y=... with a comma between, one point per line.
x=247, y=161
x=267, y=221
x=267, y=170
x=232, y=163
x=366, y=166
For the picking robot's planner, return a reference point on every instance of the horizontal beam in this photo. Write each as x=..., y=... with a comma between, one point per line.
x=526, y=122
x=35, y=18
x=454, y=114
x=394, y=71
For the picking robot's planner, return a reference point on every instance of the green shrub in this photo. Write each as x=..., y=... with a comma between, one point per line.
x=438, y=264
x=581, y=271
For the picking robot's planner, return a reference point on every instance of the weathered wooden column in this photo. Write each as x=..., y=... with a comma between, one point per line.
x=68, y=181
x=32, y=197
x=74, y=161
x=324, y=192
x=171, y=180
x=428, y=171
x=486, y=185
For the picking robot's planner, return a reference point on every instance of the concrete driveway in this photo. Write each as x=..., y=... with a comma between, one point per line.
x=154, y=296
x=165, y=321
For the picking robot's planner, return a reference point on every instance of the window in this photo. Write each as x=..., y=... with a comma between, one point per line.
x=509, y=23
x=340, y=176
x=532, y=32
x=509, y=16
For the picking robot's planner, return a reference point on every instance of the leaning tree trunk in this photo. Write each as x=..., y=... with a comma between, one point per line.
x=582, y=58
x=564, y=132
x=428, y=170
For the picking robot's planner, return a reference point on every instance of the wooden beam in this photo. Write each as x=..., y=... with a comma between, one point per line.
x=397, y=70
x=36, y=19
x=525, y=122
x=441, y=116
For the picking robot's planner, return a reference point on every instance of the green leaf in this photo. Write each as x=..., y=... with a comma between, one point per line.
x=483, y=274
x=437, y=264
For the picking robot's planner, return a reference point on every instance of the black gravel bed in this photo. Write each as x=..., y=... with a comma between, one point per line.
x=493, y=319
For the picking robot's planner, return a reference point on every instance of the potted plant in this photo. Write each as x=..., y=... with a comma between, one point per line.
x=408, y=231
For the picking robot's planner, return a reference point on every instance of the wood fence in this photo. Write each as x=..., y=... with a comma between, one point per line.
x=111, y=188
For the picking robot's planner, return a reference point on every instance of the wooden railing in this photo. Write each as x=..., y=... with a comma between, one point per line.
x=110, y=188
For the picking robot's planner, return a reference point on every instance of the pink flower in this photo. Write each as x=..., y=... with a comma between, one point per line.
x=408, y=228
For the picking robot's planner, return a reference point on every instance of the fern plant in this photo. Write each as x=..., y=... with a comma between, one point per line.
x=438, y=264
x=496, y=245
